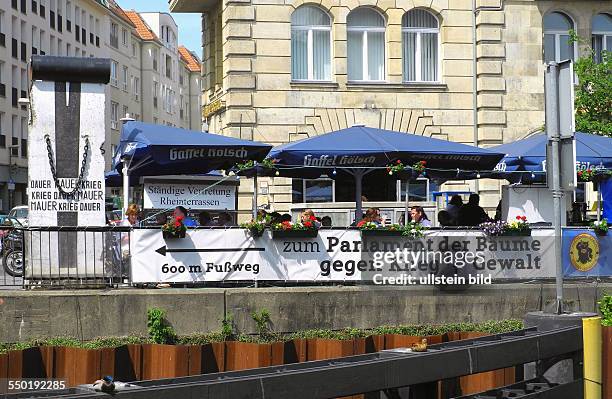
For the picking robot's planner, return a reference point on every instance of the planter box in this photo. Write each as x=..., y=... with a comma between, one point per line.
x=30, y=363
x=480, y=382
x=255, y=232
x=522, y=233
x=601, y=233
x=374, y=343
x=295, y=351
x=170, y=236
x=124, y=363
x=164, y=361
x=607, y=361
x=321, y=348
x=393, y=341
x=312, y=233
x=77, y=366
x=208, y=358
x=245, y=355
x=381, y=233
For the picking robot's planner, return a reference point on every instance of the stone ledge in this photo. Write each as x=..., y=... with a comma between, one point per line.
x=405, y=86
x=314, y=84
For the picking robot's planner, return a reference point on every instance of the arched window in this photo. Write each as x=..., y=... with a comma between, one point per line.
x=420, y=38
x=602, y=35
x=310, y=44
x=366, y=45
x=557, y=46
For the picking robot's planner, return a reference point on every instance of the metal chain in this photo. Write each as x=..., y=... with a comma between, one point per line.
x=80, y=180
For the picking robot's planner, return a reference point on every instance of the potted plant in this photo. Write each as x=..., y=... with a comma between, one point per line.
x=494, y=229
x=256, y=227
x=402, y=171
x=519, y=227
x=175, y=228
x=413, y=230
x=586, y=175
x=601, y=227
x=287, y=229
x=371, y=229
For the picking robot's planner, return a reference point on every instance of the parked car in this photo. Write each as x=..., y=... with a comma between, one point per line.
x=20, y=213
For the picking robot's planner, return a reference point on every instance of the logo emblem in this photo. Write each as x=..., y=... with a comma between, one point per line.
x=584, y=252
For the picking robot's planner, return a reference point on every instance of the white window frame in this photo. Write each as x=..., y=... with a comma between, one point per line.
x=417, y=62
x=557, y=34
x=401, y=185
x=114, y=115
x=316, y=180
x=364, y=48
x=125, y=73
x=605, y=35
x=114, y=66
x=310, y=48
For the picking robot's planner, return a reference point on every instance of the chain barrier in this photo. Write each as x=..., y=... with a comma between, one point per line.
x=68, y=194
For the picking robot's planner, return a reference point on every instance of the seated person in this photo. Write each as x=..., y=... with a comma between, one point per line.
x=309, y=216
x=454, y=205
x=372, y=216
x=418, y=215
x=225, y=220
x=285, y=217
x=326, y=221
x=205, y=219
x=445, y=219
x=472, y=214
x=180, y=211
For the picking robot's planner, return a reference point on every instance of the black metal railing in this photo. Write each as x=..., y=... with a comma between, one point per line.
x=65, y=256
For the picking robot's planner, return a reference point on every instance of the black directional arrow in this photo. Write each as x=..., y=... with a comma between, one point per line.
x=163, y=250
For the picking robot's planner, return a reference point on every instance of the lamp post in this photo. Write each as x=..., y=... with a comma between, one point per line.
x=125, y=172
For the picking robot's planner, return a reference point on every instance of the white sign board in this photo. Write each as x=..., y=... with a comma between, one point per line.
x=201, y=195
x=68, y=126
x=334, y=255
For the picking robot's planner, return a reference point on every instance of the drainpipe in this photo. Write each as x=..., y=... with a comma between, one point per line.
x=475, y=11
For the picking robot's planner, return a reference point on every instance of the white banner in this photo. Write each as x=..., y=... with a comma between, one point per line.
x=337, y=255
x=192, y=196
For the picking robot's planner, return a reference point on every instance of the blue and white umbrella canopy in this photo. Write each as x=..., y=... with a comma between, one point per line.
x=525, y=160
x=154, y=150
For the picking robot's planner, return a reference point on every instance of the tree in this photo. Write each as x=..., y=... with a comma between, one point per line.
x=594, y=91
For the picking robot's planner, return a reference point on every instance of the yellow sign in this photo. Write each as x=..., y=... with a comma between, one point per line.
x=584, y=252
x=212, y=108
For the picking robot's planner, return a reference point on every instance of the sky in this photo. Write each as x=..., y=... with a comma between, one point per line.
x=189, y=24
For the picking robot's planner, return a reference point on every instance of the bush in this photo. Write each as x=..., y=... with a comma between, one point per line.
x=605, y=307
x=160, y=331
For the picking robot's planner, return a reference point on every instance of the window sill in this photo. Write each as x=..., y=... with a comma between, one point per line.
x=416, y=86
x=314, y=84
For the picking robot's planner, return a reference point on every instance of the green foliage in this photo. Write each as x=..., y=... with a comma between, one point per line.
x=605, y=307
x=160, y=331
x=593, y=100
x=263, y=323
x=227, y=327
x=266, y=335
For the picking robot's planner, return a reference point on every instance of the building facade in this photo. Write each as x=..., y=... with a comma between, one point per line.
x=281, y=70
x=84, y=28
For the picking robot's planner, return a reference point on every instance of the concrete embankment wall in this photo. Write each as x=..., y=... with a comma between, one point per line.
x=87, y=314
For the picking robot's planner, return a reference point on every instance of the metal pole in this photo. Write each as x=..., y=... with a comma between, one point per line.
x=599, y=202
x=555, y=138
x=255, y=189
x=407, y=202
x=126, y=187
x=358, y=205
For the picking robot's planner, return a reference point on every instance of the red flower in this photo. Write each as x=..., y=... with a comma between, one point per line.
x=308, y=224
x=177, y=224
x=524, y=218
x=361, y=223
x=423, y=162
x=518, y=217
x=313, y=218
x=398, y=161
x=180, y=218
x=286, y=225
x=580, y=173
